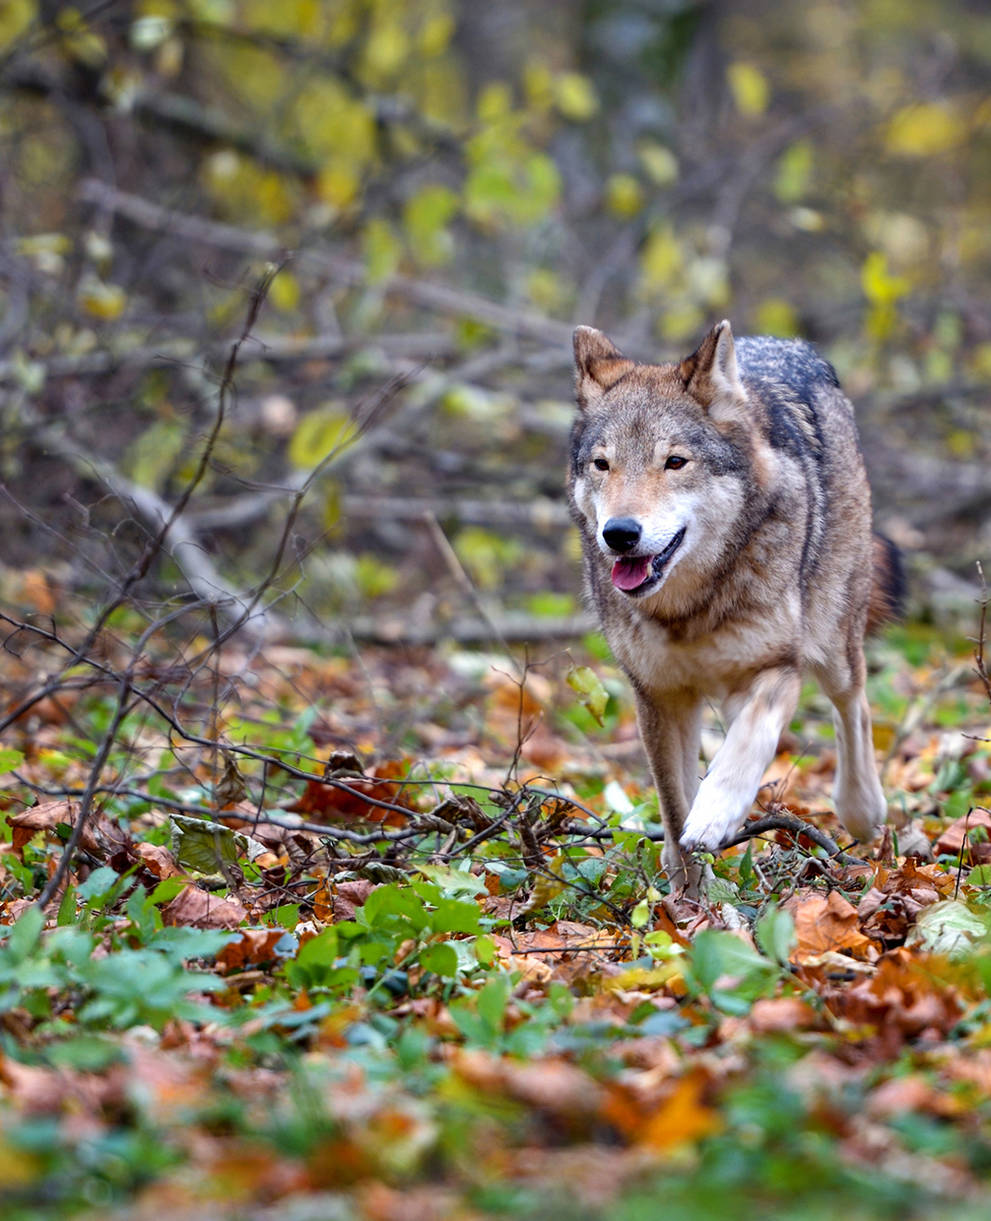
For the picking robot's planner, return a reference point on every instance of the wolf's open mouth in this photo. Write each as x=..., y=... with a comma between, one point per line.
x=635, y=574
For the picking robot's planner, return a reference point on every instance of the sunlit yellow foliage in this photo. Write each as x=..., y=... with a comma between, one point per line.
x=434, y=35
x=659, y=163
x=925, y=129
x=243, y=190
x=302, y=19
x=100, y=300
x=794, y=171
x=284, y=291
x=495, y=102
x=538, y=86
x=624, y=195
x=79, y=40
x=575, y=96
x=776, y=316
x=338, y=184
x=425, y=217
x=385, y=51
x=321, y=433
x=682, y=321
x=15, y=17
x=883, y=292
x=546, y=289
x=661, y=260
x=749, y=87
x=332, y=124
x=381, y=248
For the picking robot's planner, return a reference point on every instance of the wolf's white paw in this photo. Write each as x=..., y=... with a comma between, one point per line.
x=715, y=815
x=862, y=811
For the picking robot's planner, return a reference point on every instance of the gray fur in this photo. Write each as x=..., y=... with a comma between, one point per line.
x=748, y=453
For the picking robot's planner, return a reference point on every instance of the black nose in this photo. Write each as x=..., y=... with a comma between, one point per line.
x=621, y=533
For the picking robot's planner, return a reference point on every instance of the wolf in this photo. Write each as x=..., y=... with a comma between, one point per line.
x=725, y=519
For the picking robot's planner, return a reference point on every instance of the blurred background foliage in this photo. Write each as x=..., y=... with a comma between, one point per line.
x=454, y=186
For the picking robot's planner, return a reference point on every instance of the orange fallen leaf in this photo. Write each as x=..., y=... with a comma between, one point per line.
x=682, y=1118
x=824, y=925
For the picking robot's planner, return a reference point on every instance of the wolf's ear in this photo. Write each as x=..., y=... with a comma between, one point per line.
x=711, y=375
x=599, y=364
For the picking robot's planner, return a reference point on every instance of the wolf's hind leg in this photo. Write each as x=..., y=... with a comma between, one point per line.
x=671, y=730
x=857, y=792
x=728, y=789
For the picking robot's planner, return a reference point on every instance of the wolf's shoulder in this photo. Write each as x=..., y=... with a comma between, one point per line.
x=790, y=362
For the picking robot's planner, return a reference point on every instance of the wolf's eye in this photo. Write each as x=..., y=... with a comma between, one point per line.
x=675, y=463
x=600, y=464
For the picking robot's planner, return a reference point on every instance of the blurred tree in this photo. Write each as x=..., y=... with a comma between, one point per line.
x=459, y=184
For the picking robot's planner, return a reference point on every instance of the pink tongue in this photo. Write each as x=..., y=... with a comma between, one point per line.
x=630, y=571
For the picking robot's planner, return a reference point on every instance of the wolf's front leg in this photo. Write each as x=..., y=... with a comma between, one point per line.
x=726, y=793
x=670, y=729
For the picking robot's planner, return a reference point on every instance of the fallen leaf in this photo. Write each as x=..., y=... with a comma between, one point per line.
x=824, y=925
x=200, y=909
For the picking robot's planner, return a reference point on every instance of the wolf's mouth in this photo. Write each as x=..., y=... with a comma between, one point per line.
x=635, y=574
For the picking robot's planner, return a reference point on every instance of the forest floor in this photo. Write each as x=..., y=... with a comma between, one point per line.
x=385, y=936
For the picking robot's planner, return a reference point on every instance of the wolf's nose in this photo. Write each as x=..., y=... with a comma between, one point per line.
x=621, y=534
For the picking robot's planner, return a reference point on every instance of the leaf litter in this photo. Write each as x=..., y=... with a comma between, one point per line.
x=419, y=959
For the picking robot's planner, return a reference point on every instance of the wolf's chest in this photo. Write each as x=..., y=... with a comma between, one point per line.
x=712, y=664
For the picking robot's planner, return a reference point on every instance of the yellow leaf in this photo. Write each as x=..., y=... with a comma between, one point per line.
x=659, y=163
x=661, y=260
x=284, y=292
x=99, y=300
x=624, y=195
x=337, y=184
x=319, y=434
x=435, y=34
x=775, y=316
x=749, y=88
x=385, y=51
x=575, y=96
x=925, y=130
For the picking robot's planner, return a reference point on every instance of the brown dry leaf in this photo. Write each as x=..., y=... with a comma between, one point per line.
x=888, y=910
x=157, y=860
x=332, y=903
x=553, y=1086
x=36, y=592
x=911, y=1094
x=101, y=837
x=781, y=1013
x=326, y=801
x=255, y=945
x=198, y=908
x=908, y=994
x=824, y=925
x=951, y=840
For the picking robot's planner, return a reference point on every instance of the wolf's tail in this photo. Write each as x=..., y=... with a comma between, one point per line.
x=888, y=586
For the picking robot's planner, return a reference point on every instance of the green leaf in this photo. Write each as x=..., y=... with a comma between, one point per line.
x=584, y=681
x=26, y=933
x=9, y=760
x=453, y=881
x=440, y=958
x=204, y=846
x=455, y=916
x=98, y=886
x=775, y=933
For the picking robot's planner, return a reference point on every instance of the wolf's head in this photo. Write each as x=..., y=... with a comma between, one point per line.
x=662, y=459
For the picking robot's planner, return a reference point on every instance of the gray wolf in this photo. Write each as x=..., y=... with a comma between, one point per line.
x=725, y=518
